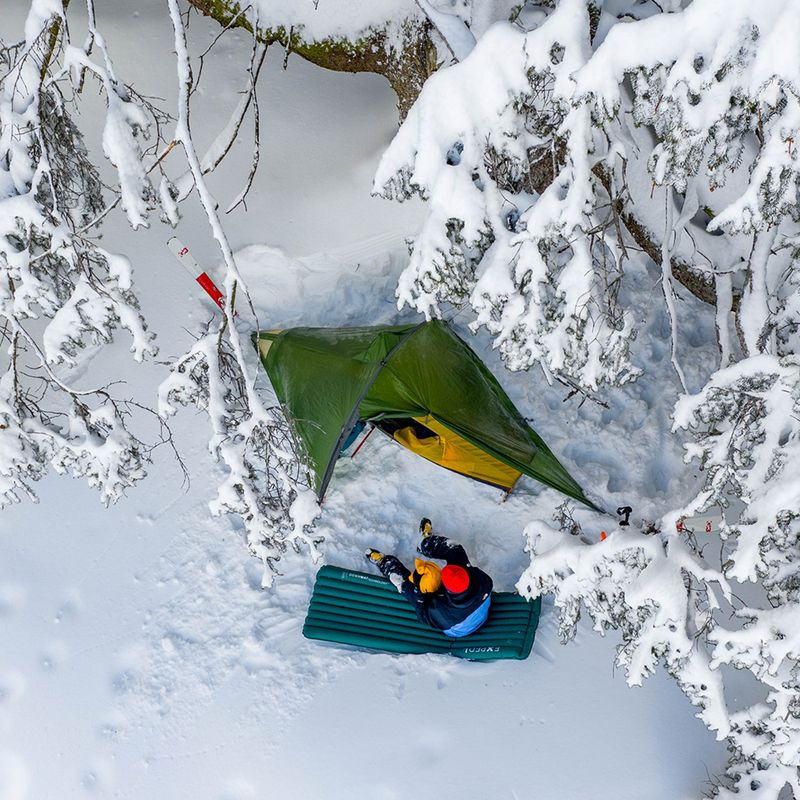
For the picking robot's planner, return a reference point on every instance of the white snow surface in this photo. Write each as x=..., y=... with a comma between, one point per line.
x=323, y=19
x=141, y=659
x=316, y=20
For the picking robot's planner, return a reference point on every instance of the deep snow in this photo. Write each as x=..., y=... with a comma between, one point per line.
x=141, y=659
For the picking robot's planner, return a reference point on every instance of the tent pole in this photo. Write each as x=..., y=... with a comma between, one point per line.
x=361, y=444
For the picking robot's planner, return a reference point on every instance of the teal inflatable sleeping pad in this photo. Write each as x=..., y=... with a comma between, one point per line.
x=366, y=611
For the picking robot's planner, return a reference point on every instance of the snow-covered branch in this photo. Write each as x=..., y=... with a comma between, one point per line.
x=60, y=293
x=652, y=588
x=537, y=263
x=659, y=591
x=264, y=482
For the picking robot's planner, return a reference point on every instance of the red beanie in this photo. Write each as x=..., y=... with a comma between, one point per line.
x=455, y=579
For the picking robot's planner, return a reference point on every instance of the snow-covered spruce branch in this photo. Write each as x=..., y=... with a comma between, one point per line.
x=264, y=476
x=765, y=737
x=724, y=107
x=708, y=79
x=652, y=588
x=60, y=293
x=673, y=608
x=522, y=150
x=537, y=262
x=746, y=422
x=264, y=483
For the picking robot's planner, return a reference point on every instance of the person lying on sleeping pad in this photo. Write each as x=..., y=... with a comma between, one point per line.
x=455, y=599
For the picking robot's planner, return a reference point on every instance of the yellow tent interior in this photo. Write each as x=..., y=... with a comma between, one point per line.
x=429, y=438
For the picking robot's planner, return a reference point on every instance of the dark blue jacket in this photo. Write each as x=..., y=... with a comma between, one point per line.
x=442, y=609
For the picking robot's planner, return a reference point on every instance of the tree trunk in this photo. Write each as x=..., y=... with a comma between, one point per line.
x=406, y=69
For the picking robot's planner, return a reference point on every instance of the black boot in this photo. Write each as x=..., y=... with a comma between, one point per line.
x=391, y=565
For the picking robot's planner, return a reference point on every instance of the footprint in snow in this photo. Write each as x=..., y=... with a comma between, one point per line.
x=113, y=726
x=97, y=777
x=123, y=681
x=12, y=599
x=70, y=608
x=613, y=465
x=12, y=687
x=54, y=654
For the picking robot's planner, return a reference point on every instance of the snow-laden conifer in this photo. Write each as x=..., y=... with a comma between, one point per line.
x=61, y=294
x=546, y=155
x=514, y=227
x=265, y=478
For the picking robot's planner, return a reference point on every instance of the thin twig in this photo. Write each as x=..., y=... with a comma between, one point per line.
x=208, y=49
x=254, y=72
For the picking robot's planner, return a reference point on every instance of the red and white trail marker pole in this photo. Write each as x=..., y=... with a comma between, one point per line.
x=185, y=258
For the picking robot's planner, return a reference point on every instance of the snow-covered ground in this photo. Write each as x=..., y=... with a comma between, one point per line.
x=141, y=659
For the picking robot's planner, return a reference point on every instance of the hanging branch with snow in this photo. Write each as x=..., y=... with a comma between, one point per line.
x=61, y=294
x=654, y=589
x=265, y=481
x=747, y=426
x=674, y=607
x=514, y=224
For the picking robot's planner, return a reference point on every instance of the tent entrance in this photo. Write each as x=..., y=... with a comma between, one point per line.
x=429, y=438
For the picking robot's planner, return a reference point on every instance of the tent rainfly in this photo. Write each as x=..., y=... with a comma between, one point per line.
x=420, y=384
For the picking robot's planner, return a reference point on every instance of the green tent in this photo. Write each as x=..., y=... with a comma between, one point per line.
x=420, y=384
